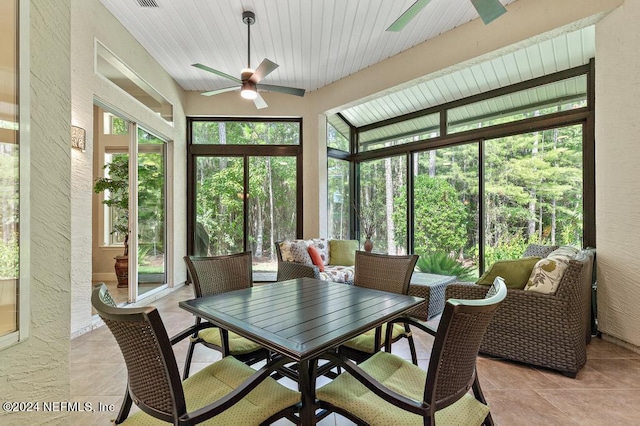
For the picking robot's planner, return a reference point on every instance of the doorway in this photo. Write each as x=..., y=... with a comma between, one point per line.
x=130, y=221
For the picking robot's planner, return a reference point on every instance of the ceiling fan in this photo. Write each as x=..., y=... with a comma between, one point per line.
x=487, y=9
x=250, y=78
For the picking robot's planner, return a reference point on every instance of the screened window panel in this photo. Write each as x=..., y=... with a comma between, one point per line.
x=245, y=133
x=542, y=100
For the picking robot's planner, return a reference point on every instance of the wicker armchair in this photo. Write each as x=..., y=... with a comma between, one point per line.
x=221, y=394
x=387, y=273
x=388, y=390
x=292, y=270
x=214, y=275
x=545, y=330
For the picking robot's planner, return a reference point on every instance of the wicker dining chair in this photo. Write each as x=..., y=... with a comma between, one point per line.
x=386, y=389
x=226, y=392
x=214, y=275
x=387, y=273
x=106, y=299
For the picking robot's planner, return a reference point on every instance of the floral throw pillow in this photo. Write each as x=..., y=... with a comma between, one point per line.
x=299, y=253
x=547, y=273
x=322, y=245
x=285, y=249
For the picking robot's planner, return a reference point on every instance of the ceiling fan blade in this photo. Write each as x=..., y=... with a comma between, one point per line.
x=218, y=91
x=259, y=102
x=220, y=73
x=282, y=89
x=408, y=15
x=265, y=68
x=488, y=9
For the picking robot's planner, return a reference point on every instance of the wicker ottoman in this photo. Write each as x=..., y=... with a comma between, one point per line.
x=431, y=287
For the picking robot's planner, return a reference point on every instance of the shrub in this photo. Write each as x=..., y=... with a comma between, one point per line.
x=443, y=264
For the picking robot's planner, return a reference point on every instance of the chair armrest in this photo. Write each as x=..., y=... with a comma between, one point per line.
x=533, y=307
x=467, y=291
x=292, y=270
x=519, y=300
x=189, y=332
x=522, y=307
x=410, y=320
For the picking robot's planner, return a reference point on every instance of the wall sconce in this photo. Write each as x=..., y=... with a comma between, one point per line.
x=78, y=138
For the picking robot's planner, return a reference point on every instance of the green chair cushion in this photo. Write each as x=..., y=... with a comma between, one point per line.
x=219, y=379
x=515, y=272
x=342, y=252
x=238, y=345
x=365, y=342
x=404, y=378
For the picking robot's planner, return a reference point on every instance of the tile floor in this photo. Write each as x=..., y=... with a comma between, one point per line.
x=606, y=390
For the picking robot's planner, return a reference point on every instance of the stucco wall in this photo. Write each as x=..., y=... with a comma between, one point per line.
x=617, y=160
x=38, y=369
x=91, y=21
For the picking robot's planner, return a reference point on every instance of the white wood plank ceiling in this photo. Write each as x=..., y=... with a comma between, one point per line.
x=546, y=57
x=319, y=42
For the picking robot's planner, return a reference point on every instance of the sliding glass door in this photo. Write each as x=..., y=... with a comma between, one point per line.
x=245, y=203
x=219, y=202
x=244, y=188
x=272, y=214
x=151, y=213
x=131, y=208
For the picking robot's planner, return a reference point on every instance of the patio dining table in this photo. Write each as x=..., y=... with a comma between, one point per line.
x=301, y=319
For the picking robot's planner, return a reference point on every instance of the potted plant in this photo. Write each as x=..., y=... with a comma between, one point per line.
x=116, y=184
x=368, y=223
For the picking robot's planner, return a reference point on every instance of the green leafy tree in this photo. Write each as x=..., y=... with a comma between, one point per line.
x=220, y=191
x=440, y=216
x=116, y=184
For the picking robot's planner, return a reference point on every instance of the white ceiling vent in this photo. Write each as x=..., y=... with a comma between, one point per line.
x=148, y=3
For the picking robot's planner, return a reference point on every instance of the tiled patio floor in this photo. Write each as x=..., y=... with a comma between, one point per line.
x=606, y=390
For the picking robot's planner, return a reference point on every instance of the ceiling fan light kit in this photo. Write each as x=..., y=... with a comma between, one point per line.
x=249, y=78
x=248, y=90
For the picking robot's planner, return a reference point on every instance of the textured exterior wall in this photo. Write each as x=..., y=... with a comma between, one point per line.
x=38, y=369
x=617, y=160
x=91, y=21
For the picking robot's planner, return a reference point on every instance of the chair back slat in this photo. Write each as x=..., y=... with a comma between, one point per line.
x=384, y=272
x=154, y=379
x=219, y=274
x=452, y=367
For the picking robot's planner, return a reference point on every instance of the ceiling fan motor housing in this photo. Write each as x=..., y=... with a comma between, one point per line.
x=248, y=17
x=246, y=74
